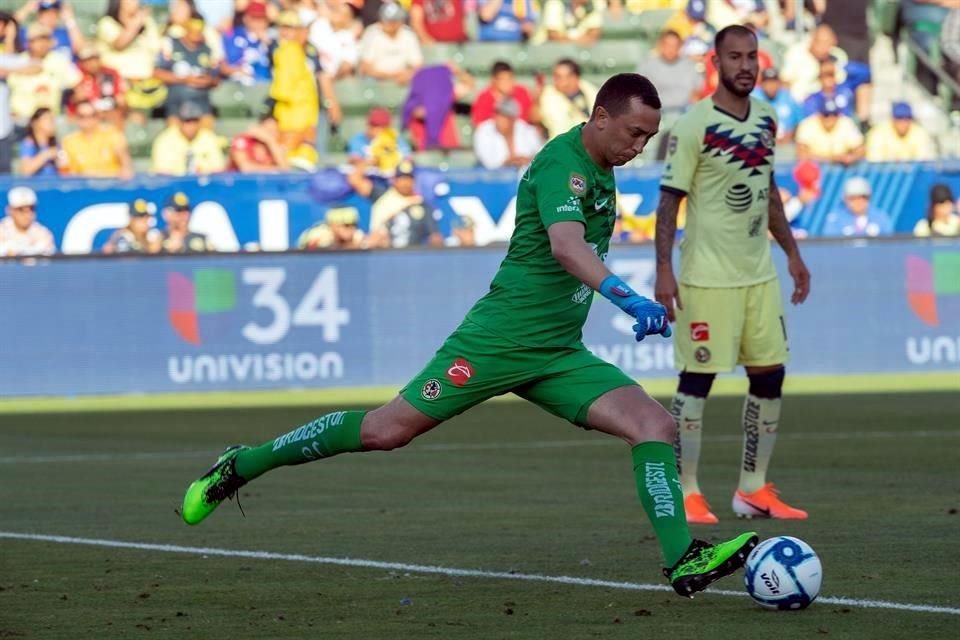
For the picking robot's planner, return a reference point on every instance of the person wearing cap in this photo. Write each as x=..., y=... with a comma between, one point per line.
x=830, y=89
x=339, y=230
x=56, y=15
x=380, y=146
x=900, y=139
x=140, y=235
x=506, y=20
x=770, y=89
x=855, y=216
x=830, y=136
x=400, y=217
x=677, y=78
x=129, y=41
x=438, y=21
x=247, y=46
x=568, y=101
x=186, y=149
x=337, y=39
x=96, y=150
x=505, y=140
x=258, y=149
x=20, y=233
x=30, y=91
x=389, y=49
x=300, y=84
x=578, y=22
x=189, y=69
x=101, y=85
x=942, y=218
x=177, y=236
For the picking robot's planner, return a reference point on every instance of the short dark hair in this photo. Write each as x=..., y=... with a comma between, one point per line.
x=500, y=67
x=617, y=92
x=571, y=63
x=669, y=33
x=733, y=30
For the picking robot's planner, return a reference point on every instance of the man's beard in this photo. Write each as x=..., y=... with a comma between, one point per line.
x=730, y=85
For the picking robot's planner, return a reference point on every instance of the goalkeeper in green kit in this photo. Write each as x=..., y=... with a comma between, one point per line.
x=524, y=336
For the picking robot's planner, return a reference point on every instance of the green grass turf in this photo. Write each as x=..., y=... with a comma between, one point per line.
x=883, y=520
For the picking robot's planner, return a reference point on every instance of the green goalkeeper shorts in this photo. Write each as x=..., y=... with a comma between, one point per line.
x=474, y=365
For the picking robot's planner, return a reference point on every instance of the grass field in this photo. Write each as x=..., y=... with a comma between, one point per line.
x=505, y=489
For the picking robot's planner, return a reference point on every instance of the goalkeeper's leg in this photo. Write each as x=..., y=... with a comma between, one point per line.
x=389, y=427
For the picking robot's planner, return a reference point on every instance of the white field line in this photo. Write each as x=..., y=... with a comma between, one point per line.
x=468, y=446
x=443, y=571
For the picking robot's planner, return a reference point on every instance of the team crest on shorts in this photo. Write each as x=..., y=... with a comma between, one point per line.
x=702, y=355
x=431, y=389
x=578, y=184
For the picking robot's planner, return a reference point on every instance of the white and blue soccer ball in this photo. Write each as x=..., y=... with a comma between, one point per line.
x=783, y=573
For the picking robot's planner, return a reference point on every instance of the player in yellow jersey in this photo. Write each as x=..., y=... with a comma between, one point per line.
x=726, y=302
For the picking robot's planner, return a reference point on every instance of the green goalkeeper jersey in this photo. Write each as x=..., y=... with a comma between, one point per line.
x=533, y=301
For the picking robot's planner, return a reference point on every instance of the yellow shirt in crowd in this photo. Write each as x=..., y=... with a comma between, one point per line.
x=294, y=86
x=29, y=92
x=96, y=154
x=137, y=60
x=174, y=155
x=885, y=145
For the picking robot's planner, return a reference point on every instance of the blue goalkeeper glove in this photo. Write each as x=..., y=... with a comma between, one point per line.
x=651, y=316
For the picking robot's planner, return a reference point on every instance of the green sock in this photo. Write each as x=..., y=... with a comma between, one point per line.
x=329, y=435
x=655, y=468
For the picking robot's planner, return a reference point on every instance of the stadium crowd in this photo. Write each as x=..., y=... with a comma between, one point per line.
x=199, y=87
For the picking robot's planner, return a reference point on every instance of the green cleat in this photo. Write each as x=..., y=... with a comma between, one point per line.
x=213, y=487
x=704, y=563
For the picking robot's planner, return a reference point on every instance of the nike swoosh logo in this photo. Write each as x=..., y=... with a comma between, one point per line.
x=601, y=204
x=765, y=512
x=769, y=422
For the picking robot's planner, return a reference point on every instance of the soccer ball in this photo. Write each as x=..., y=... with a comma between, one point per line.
x=783, y=573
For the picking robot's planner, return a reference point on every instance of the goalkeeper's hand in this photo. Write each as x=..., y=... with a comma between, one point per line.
x=651, y=316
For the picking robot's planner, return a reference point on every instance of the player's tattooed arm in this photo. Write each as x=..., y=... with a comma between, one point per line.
x=780, y=229
x=666, y=290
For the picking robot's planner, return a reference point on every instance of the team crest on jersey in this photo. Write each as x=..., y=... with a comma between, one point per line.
x=766, y=138
x=431, y=389
x=578, y=184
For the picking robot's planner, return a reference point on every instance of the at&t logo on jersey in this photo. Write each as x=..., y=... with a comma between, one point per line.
x=460, y=372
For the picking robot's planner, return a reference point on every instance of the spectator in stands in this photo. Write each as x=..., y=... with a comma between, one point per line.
x=942, y=218
x=247, y=46
x=31, y=91
x=184, y=149
x=9, y=64
x=336, y=39
x=801, y=66
x=56, y=15
x=830, y=136
x=506, y=20
x=789, y=114
x=95, y=150
x=20, y=233
x=950, y=43
x=503, y=84
x=399, y=216
x=139, y=236
x=463, y=231
x=299, y=83
x=258, y=150
x=129, y=42
x=856, y=216
x=676, y=78
x=339, y=230
x=690, y=23
x=438, y=21
x=751, y=13
x=568, y=101
x=429, y=111
x=9, y=34
x=177, y=237
x=187, y=68
x=830, y=89
x=380, y=145
x=180, y=22
x=40, y=153
x=101, y=85
x=505, y=140
x=900, y=139
x=389, y=50
x=578, y=22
